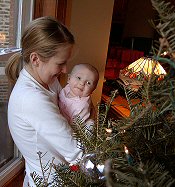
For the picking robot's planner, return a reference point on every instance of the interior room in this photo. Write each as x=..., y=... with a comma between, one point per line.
x=115, y=36
x=131, y=37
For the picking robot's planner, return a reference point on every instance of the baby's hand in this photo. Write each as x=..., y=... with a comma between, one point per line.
x=90, y=124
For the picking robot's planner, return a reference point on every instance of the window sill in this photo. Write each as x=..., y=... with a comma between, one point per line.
x=11, y=171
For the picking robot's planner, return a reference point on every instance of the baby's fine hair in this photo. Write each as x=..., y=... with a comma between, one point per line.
x=89, y=67
x=44, y=36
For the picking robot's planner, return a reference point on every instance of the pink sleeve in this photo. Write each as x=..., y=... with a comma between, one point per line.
x=81, y=109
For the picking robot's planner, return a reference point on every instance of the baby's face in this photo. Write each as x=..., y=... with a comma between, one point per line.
x=82, y=82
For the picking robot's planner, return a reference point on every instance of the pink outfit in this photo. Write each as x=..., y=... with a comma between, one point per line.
x=73, y=106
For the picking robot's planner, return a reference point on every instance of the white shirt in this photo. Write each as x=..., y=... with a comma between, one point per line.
x=36, y=124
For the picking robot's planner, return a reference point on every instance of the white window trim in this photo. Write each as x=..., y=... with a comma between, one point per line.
x=25, y=16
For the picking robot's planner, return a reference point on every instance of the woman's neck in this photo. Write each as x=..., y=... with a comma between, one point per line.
x=35, y=76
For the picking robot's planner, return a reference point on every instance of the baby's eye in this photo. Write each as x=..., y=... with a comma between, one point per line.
x=88, y=83
x=79, y=78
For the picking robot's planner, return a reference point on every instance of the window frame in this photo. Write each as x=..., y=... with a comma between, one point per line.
x=25, y=15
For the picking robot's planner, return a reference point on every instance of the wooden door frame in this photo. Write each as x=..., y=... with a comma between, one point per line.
x=57, y=8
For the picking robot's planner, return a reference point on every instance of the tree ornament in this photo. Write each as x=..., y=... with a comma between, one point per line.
x=160, y=78
x=74, y=167
x=92, y=168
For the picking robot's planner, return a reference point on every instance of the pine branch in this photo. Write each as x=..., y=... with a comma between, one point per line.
x=142, y=175
x=64, y=177
x=166, y=25
x=43, y=181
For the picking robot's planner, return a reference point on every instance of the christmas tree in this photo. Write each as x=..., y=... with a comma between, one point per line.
x=134, y=151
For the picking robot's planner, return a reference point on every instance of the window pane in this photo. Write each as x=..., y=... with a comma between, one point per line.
x=8, y=38
x=6, y=143
x=14, y=16
x=8, y=22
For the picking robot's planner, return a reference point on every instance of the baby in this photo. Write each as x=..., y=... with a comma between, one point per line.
x=74, y=98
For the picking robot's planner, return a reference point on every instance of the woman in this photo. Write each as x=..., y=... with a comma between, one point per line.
x=34, y=119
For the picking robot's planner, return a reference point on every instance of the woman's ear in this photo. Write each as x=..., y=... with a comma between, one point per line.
x=68, y=78
x=34, y=59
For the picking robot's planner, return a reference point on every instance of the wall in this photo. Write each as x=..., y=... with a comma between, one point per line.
x=136, y=23
x=90, y=22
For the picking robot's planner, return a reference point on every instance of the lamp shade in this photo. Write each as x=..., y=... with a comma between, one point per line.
x=134, y=74
x=147, y=66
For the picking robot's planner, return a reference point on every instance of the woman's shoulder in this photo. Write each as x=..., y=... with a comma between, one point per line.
x=28, y=91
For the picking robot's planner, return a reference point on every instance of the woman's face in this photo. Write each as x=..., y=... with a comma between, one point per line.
x=47, y=72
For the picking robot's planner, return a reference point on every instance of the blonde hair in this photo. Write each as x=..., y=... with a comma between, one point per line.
x=43, y=36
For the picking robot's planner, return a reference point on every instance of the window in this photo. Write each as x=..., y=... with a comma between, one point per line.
x=14, y=15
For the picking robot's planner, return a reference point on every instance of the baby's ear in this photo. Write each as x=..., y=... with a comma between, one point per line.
x=68, y=78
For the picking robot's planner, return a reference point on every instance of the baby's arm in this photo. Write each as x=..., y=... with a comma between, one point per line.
x=81, y=110
x=87, y=114
x=92, y=112
x=91, y=120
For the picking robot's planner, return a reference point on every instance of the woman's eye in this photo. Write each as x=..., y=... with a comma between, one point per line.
x=62, y=64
